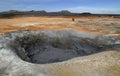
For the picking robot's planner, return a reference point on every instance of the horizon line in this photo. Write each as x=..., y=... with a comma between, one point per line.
x=53, y=11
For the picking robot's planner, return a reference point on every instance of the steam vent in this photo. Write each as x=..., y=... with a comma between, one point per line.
x=58, y=53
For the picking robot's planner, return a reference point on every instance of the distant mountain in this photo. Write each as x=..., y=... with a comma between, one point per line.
x=86, y=13
x=65, y=12
x=12, y=13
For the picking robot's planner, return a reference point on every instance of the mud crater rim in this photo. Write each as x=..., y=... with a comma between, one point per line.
x=42, y=49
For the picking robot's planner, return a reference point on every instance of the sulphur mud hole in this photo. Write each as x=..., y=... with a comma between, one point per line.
x=50, y=46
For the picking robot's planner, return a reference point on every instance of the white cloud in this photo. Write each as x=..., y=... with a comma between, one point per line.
x=94, y=9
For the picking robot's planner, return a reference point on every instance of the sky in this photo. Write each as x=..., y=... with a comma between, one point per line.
x=78, y=6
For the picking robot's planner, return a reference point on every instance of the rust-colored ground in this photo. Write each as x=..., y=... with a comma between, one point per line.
x=99, y=25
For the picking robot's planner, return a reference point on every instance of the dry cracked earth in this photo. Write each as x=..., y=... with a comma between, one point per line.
x=58, y=46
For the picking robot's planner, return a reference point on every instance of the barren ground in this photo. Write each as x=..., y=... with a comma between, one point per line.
x=99, y=25
x=105, y=63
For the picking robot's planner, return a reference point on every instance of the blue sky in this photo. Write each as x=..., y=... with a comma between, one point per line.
x=93, y=6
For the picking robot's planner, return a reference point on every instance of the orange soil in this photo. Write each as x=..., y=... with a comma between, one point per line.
x=53, y=23
x=5, y=24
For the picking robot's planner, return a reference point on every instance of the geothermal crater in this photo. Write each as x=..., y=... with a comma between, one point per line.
x=43, y=47
x=43, y=50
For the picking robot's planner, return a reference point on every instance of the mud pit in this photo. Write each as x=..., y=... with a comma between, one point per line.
x=48, y=50
x=25, y=53
x=47, y=46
